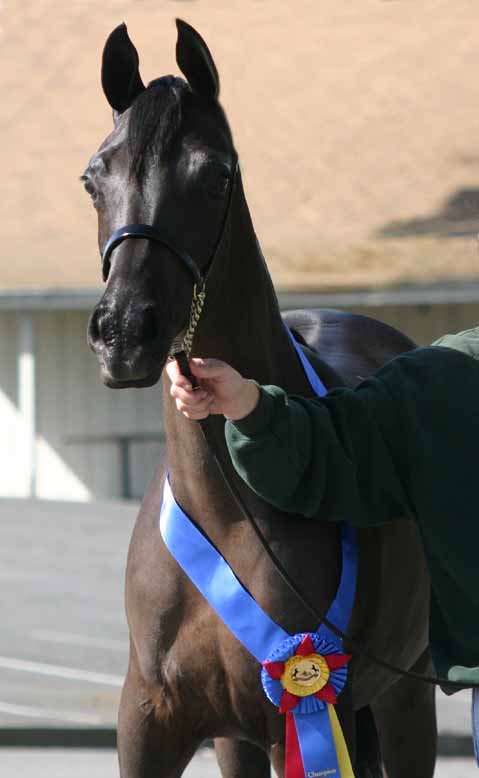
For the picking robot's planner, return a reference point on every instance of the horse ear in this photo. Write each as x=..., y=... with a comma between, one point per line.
x=120, y=75
x=195, y=61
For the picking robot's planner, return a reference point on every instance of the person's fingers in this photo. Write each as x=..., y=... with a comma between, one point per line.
x=196, y=415
x=172, y=369
x=188, y=396
x=193, y=407
x=200, y=411
x=188, y=403
x=215, y=377
x=175, y=375
x=210, y=368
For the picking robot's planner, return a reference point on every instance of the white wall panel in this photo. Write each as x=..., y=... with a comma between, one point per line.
x=73, y=403
x=14, y=478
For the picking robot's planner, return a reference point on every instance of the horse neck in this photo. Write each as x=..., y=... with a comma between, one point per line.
x=241, y=324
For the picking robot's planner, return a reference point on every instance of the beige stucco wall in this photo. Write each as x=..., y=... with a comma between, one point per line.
x=356, y=123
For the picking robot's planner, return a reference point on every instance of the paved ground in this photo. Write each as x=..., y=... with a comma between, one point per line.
x=63, y=643
x=58, y=763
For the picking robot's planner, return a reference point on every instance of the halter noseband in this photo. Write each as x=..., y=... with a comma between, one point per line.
x=147, y=232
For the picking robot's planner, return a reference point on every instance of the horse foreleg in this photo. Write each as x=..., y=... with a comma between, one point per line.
x=150, y=745
x=238, y=758
x=368, y=755
x=277, y=754
x=405, y=718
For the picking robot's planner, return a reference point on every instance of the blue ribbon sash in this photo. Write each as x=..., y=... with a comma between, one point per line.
x=318, y=747
x=214, y=578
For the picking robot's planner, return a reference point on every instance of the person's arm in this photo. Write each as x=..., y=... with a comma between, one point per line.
x=325, y=458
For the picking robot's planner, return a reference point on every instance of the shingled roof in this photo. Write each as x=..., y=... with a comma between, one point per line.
x=357, y=125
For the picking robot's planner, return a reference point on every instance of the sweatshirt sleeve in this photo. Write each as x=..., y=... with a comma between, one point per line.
x=325, y=458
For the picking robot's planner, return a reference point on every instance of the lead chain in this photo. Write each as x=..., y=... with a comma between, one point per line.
x=197, y=303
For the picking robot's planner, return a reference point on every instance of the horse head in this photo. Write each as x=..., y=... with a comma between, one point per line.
x=169, y=163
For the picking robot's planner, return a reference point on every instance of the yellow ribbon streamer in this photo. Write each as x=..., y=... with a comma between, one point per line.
x=344, y=762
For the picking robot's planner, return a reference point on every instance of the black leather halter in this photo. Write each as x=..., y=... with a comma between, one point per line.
x=149, y=232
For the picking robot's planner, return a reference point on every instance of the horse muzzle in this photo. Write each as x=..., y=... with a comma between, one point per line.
x=127, y=342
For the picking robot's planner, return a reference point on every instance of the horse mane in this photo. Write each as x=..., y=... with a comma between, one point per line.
x=155, y=119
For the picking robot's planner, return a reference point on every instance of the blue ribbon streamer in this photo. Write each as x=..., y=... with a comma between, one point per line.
x=217, y=582
x=316, y=743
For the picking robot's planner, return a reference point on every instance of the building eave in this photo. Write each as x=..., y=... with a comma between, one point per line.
x=86, y=298
x=49, y=299
x=457, y=294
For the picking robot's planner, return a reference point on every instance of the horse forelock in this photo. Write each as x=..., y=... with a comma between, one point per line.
x=154, y=121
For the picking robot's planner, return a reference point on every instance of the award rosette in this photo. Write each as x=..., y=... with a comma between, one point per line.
x=303, y=677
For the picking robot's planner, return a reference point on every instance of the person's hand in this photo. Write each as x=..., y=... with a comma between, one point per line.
x=222, y=390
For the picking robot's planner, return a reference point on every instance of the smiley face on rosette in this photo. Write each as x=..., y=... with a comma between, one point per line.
x=305, y=671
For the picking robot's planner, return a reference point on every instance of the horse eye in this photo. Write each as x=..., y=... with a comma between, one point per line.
x=223, y=182
x=220, y=185
x=88, y=187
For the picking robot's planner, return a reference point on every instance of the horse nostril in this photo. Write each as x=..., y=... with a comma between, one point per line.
x=93, y=328
x=101, y=329
x=149, y=325
x=127, y=328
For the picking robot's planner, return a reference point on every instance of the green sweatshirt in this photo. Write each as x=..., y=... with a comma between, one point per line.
x=402, y=444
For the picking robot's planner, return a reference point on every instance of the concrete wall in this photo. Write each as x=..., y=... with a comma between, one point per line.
x=70, y=447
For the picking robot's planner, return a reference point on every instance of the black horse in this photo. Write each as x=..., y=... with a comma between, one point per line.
x=170, y=162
